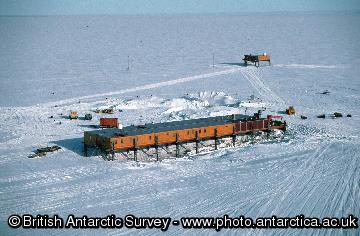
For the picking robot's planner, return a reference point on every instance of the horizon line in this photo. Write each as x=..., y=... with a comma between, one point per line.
x=284, y=12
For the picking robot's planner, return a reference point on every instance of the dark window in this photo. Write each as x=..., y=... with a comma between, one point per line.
x=149, y=137
x=199, y=131
x=204, y=130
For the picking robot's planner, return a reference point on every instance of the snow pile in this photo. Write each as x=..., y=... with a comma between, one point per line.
x=201, y=104
x=179, y=104
x=214, y=98
x=198, y=101
x=140, y=103
x=204, y=99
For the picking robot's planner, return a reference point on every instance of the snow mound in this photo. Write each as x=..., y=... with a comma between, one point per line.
x=140, y=103
x=179, y=104
x=214, y=98
x=198, y=101
x=276, y=133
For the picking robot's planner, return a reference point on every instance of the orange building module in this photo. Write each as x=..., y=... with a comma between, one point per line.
x=176, y=132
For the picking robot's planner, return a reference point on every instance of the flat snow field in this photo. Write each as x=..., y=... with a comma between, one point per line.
x=51, y=65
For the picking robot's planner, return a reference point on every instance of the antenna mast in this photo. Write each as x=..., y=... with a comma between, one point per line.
x=213, y=58
x=128, y=63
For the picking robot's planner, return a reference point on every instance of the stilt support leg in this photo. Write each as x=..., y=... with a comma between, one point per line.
x=197, y=142
x=177, y=146
x=113, y=152
x=177, y=150
x=85, y=150
x=157, y=153
x=233, y=134
x=216, y=140
x=135, y=149
x=157, y=147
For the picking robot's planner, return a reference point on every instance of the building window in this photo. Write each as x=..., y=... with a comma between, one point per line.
x=204, y=130
x=149, y=137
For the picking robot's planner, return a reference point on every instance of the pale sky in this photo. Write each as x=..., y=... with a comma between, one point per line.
x=131, y=7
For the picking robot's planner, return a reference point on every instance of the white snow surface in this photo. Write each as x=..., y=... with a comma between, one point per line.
x=52, y=65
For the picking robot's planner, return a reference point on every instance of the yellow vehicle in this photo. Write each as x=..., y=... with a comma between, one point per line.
x=290, y=110
x=73, y=115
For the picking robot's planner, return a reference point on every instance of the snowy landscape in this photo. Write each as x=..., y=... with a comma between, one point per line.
x=161, y=69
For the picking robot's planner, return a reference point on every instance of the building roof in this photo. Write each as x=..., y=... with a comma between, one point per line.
x=169, y=126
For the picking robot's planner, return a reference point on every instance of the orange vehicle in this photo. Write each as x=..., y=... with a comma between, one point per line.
x=109, y=123
x=154, y=135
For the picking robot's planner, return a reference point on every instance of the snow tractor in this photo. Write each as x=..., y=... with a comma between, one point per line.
x=290, y=111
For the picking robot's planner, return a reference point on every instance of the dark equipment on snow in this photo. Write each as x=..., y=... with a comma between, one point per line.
x=337, y=114
x=325, y=92
x=88, y=117
x=43, y=151
x=106, y=111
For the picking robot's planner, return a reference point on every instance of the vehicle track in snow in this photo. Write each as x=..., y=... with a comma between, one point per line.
x=282, y=183
x=148, y=86
x=253, y=77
